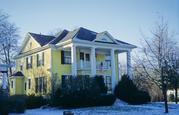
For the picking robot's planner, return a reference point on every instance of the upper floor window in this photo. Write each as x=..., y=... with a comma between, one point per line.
x=40, y=59
x=65, y=57
x=84, y=56
x=29, y=62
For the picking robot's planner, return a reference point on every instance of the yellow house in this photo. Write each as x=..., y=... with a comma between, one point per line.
x=69, y=53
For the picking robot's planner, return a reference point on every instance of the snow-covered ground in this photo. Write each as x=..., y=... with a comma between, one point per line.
x=119, y=108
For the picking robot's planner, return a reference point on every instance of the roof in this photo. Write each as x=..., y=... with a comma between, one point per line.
x=85, y=34
x=80, y=33
x=59, y=37
x=42, y=39
x=18, y=74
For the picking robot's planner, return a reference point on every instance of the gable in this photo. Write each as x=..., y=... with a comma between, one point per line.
x=104, y=37
x=29, y=44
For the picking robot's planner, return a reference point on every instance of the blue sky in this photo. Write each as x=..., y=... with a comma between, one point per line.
x=124, y=19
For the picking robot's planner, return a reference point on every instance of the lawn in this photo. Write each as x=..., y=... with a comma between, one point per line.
x=119, y=108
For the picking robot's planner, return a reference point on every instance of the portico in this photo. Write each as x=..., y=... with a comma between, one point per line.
x=90, y=59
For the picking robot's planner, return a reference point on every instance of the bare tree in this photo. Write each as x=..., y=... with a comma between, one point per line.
x=8, y=41
x=154, y=62
x=174, y=71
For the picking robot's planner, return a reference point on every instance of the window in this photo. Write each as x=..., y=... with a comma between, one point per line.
x=40, y=85
x=29, y=62
x=12, y=84
x=29, y=83
x=21, y=67
x=81, y=56
x=40, y=59
x=64, y=78
x=65, y=57
x=108, y=83
x=84, y=56
x=25, y=87
x=107, y=64
x=87, y=57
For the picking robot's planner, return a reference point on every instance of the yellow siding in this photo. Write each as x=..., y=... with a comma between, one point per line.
x=57, y=67
x=18, y=86
x=35, y=71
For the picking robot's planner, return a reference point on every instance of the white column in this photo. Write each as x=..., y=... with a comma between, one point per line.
x=73, y=60
x=4, y=81
x=113, y=68
x=93, y=62
x=119, y=70
x=129, y=68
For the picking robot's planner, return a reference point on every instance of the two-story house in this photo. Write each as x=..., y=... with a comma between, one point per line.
x=77, y=52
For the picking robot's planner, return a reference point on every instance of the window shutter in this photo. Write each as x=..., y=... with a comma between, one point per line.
x=31, y=61
x=37, y=60
x=36, y=85
x=26, y=62
x=62, y=57
x=43, y=58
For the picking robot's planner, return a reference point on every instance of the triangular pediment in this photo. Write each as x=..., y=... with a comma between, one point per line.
x=104, y=37
x=28, y=44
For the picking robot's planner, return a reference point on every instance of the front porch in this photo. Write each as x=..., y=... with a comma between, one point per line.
x=90, y=60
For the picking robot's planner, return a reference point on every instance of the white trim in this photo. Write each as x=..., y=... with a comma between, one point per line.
x=100, y=45
x=93, y=61
x=73, y=60
x=36, y=50
x=113, y=68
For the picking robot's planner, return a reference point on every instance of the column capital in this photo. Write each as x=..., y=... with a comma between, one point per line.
x=73, y=45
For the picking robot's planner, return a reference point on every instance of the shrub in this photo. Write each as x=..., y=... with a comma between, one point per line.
x=17, y=103
x=4, y=105
x=127, y=91
x=12, y=104
x=171, y=97
x=100, y=81
x=100, y=100
x=33, y=101
x=82, y=91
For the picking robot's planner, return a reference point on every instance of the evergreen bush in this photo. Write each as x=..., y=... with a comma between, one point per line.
x=127, y=91
x=83, y=91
